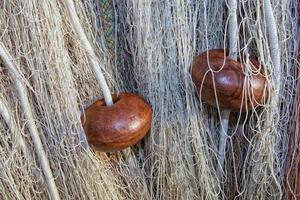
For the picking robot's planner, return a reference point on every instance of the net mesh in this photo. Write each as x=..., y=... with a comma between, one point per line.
x=146, y=47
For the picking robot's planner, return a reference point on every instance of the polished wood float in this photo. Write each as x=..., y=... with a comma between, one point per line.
x=116, y=127
x=216, y=76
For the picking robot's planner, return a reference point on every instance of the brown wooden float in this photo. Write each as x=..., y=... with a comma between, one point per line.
x=213, y=72
x=116, y=127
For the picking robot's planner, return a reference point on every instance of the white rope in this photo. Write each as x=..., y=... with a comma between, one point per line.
x=22, y=94
x=232, y=29
x=89, y=50
x=225, y=114
x=273, y=40
x=5, y=113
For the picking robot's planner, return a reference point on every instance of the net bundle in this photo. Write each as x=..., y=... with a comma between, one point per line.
x=146, y=47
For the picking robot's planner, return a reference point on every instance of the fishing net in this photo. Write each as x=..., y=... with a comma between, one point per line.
x=146, y=47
